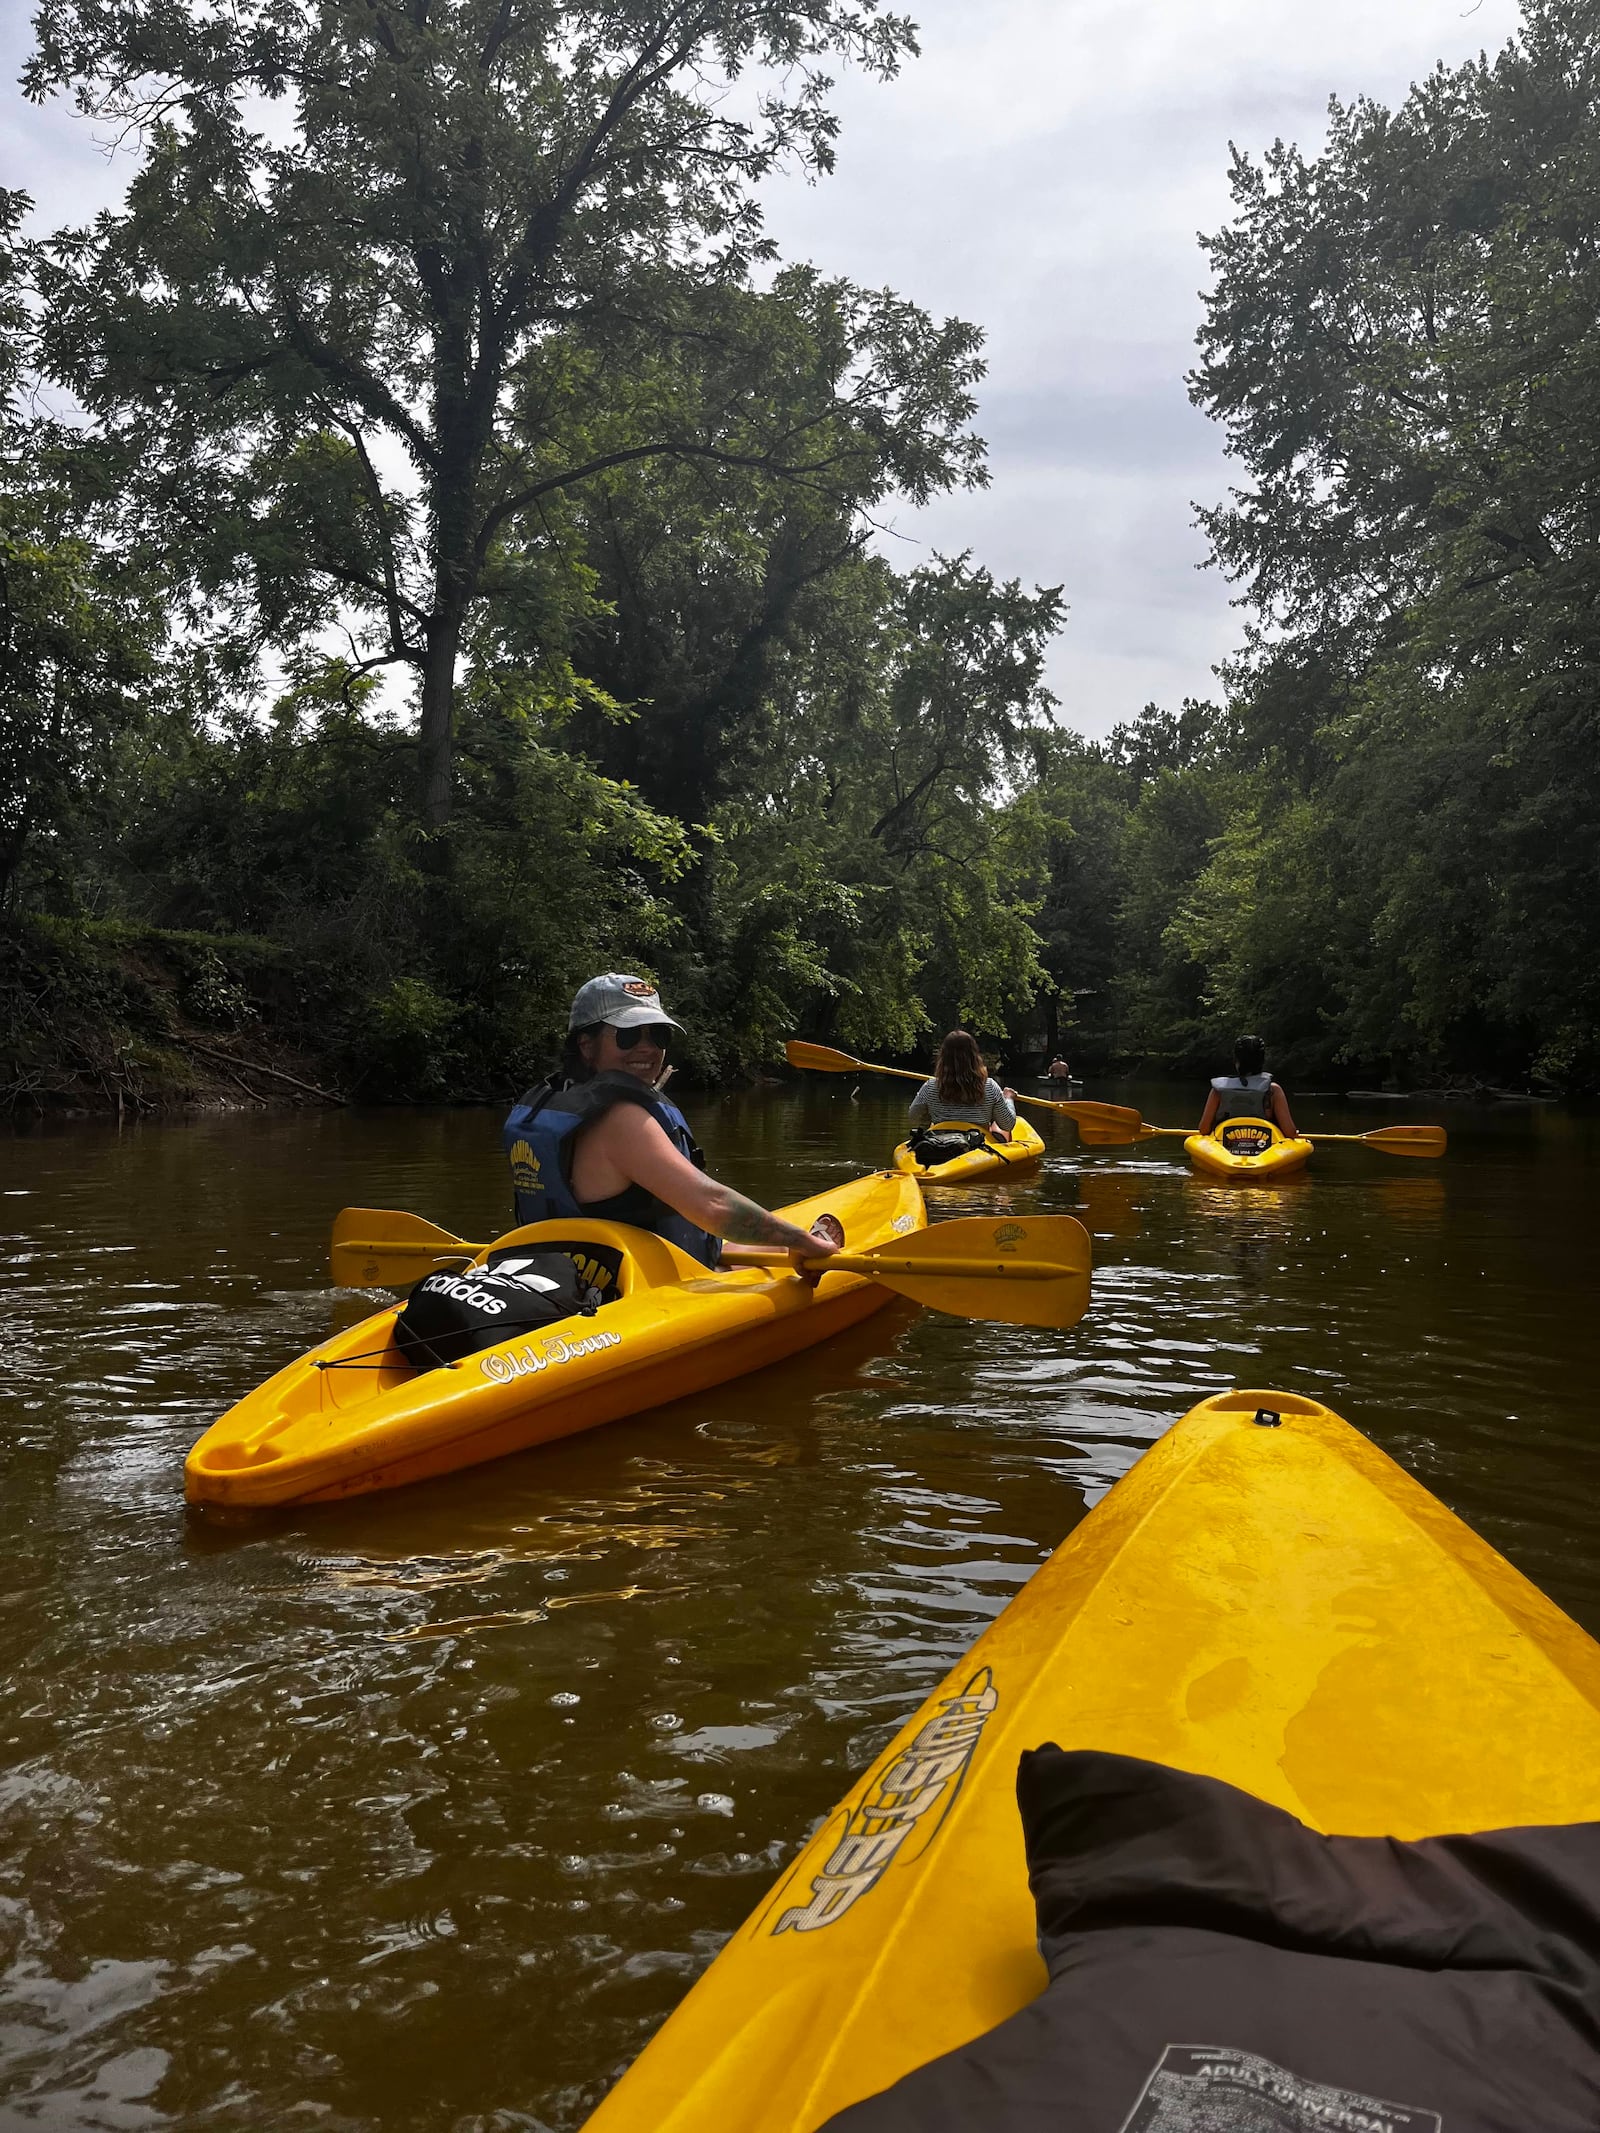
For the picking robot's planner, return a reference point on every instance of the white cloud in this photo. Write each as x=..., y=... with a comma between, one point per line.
x=1043, y=170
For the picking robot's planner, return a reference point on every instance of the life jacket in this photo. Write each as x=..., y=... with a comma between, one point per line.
x=540, y=1135
x=1247, y=1096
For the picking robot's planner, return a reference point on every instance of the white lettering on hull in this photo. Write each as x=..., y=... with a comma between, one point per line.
x=502, y=1365
x=916, y=1791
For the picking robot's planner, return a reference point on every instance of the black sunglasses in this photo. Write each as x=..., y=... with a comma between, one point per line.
x=629, y=1040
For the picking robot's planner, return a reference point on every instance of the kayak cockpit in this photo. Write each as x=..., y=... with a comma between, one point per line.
x=363, y=1365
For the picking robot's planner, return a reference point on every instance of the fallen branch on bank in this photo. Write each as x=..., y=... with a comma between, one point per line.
x=231, y=1061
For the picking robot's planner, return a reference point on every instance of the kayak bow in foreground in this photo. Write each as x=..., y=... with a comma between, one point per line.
x=1265, y=1599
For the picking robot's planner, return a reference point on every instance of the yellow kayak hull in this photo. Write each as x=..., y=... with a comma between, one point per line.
x=1024, y=1148
x=314, y=1433
x=1246, y=1148
x=1280, y=1607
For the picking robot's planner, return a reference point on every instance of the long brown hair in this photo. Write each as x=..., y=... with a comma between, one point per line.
x=959, y=1070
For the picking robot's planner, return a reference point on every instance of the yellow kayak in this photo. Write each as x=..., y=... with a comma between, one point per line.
x=992, y=1160
x=675, y=1327
x=1269, y=1602
x=1246, y=1148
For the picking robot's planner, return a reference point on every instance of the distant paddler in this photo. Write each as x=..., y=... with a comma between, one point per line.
x=1248, y=1092
x=599, y=1139
x=962, y=1092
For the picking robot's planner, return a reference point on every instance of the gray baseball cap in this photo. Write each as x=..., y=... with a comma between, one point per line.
x=622, y=1001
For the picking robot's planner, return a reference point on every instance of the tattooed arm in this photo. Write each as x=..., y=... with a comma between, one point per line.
x=627, y=1147
x=741, y=1221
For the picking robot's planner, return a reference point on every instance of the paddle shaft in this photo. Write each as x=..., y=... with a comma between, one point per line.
x=1381, y=1138
x=875, y=1263
x=1374, y=1139
x=754, y=1255
x=823, y=1059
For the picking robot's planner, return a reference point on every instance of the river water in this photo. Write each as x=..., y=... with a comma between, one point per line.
x=423, y=1810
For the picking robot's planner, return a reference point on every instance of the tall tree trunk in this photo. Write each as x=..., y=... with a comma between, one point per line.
x=12, y=847
x=436, y=731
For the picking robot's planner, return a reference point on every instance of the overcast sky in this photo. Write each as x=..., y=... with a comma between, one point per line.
x=1043, y=170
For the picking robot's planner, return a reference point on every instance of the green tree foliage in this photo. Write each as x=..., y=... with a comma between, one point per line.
x=1402, y=344
x=878, y=863
x=442, y=336
x=81, y=623
x=395, y=283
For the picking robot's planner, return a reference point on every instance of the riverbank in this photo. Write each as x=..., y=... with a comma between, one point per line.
x=109, y=1018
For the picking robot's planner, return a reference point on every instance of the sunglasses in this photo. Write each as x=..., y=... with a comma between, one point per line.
x=629, y=1040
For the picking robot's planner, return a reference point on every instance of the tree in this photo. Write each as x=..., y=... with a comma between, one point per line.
x=1402, y=344
x=365, y=357
x=878, y=864
x=81, y=622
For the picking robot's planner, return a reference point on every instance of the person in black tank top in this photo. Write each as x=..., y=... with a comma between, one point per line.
x=601, y=1140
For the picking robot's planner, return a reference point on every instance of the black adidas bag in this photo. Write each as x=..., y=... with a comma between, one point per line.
x=455, y=1313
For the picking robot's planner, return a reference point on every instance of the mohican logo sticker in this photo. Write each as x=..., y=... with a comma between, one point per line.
x=1245, y=1137
x=911, y=1799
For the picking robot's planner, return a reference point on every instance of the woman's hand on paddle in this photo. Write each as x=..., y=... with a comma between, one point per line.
x=825, y=1236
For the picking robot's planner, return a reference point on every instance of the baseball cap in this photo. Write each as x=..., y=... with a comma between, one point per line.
x=622, y=1001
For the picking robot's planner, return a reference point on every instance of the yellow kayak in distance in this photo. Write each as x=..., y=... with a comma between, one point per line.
x=1265, y=1599
x=312, y=1433
x=991, y=1160
x=1246, y=1148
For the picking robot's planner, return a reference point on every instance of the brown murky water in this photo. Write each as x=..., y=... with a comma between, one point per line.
x=422, y=1811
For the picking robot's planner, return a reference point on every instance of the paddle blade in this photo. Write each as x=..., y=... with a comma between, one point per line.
x=1010, y=1288
x=1102, y=1125
x=381, y=1248
x=1407, y=1140
x=820, y=1058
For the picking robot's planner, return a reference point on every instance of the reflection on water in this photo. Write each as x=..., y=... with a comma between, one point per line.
x=420, y=1811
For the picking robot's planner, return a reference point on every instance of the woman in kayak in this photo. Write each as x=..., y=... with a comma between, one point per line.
x=1248, y=1092
x=600, y=1140
x=962, y=1091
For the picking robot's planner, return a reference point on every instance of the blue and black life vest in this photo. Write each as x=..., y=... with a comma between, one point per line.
x=1243, y=1096
x=540, y=1135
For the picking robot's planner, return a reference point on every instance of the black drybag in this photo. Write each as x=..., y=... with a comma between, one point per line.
x=457, y=1312
x=942, y=1144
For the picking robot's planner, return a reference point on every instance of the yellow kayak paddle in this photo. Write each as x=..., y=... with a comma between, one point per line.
x=1032, y=1271
x=1390, y=1140
x=1099, y=1125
